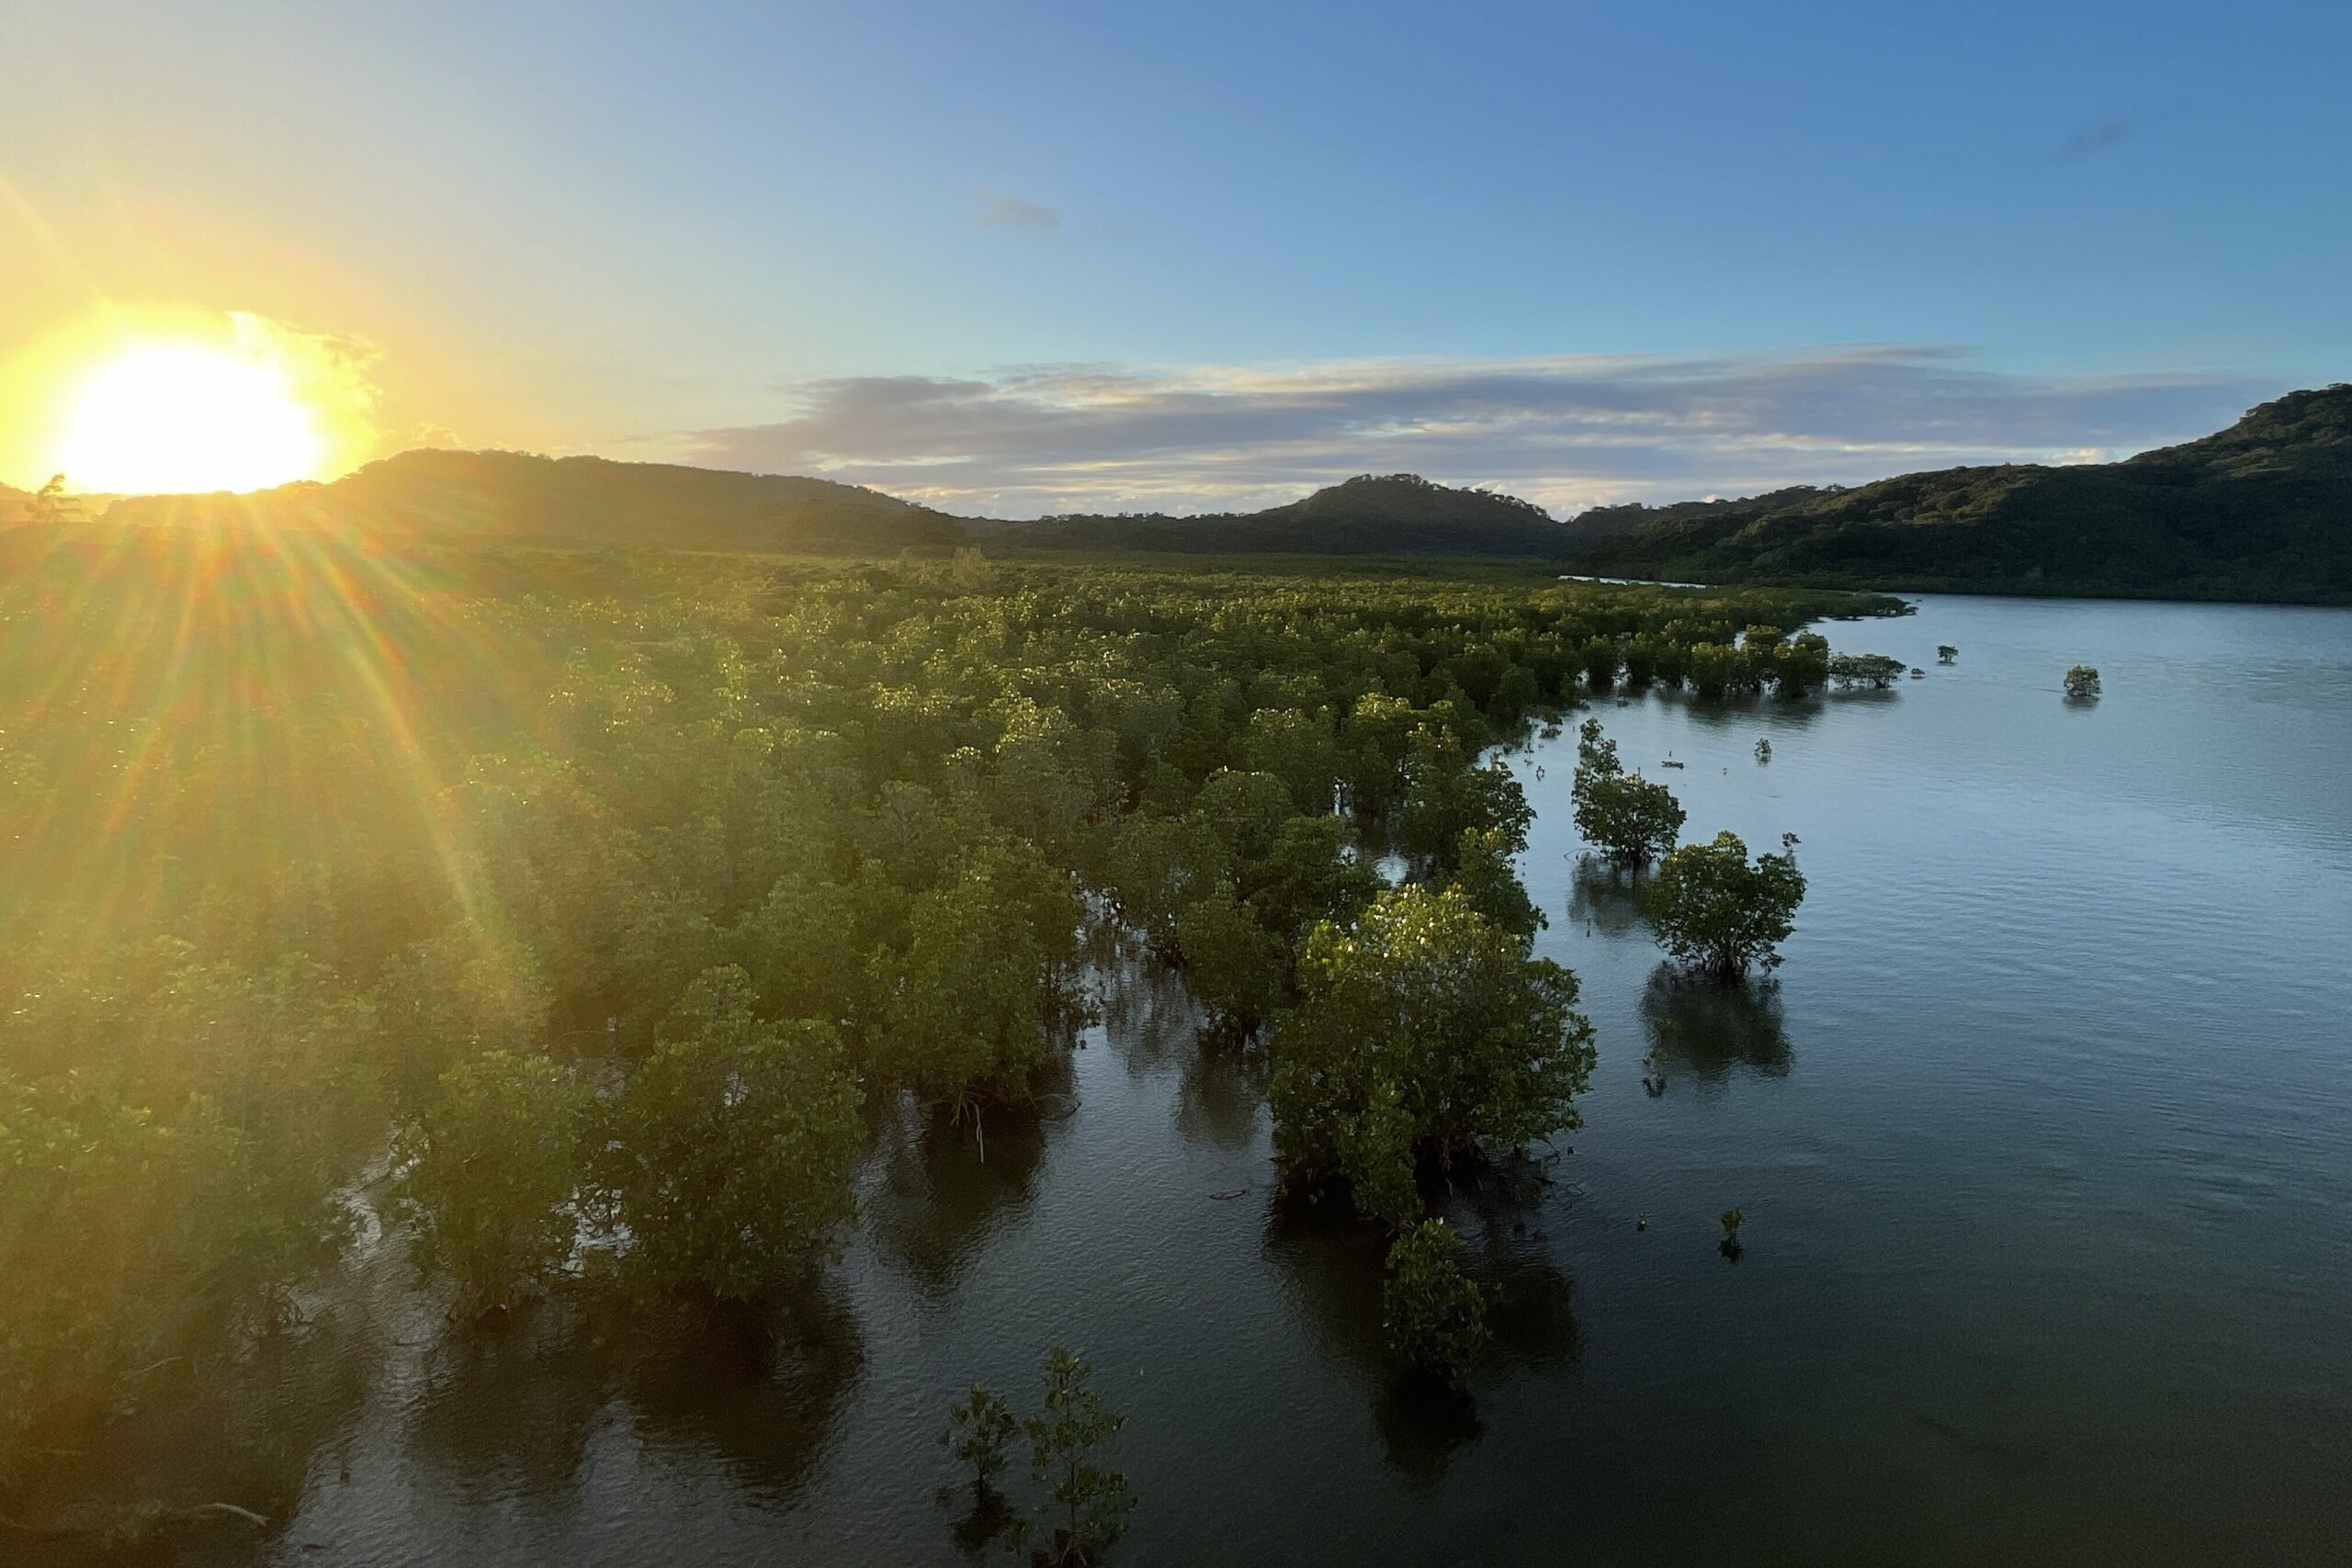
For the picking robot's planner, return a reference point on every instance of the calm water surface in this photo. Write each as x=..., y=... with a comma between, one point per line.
x=2043, y=1136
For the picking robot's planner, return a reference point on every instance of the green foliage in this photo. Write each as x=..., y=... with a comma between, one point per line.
x=1156, y=868
x=317, y=818
x=1238, y=970
x=725, y=1161
x=1425, y=1030
x=1633, y=820
x=1434, y=1315
x=1069, y=1449
x=1715, y=911
x=489, y=1172
x=1719, y=670
x=1445, y=795
x=1875, y=670
x=981, y=1431
x=1801, y=665
x=1484, y=875
x=86, y=1202
x=446, y=999
x=1310, y=873
x=2082, y=684
x=968, y=1002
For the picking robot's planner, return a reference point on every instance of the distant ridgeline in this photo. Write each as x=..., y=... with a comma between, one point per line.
x=508, y=495
x=1391, y=514
x=2262, y=511
x=593, y=501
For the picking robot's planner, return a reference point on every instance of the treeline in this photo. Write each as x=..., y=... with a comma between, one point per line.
x=578, y=909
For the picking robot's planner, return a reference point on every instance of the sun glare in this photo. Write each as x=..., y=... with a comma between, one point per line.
x=175, y=417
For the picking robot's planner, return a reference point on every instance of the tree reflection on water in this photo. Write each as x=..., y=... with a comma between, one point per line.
x=1704, y=1028
x=1605, y=898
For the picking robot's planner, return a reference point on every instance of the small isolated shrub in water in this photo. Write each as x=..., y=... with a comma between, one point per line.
x=2082, y=684
x=980, y=1430
x=1069, y=1443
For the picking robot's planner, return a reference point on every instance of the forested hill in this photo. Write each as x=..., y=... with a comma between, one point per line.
x=594, y=501
x=2261, y=510
x=1392, y=514
x=587, y=500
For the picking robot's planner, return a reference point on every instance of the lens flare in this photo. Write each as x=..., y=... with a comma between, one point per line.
x=183, y=416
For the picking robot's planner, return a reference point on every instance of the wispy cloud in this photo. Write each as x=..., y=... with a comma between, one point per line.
x=1569, y=433
x=1012, y=212
x=2095, y=136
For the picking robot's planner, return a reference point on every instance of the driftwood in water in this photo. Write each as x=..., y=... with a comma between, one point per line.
x=133, y=1521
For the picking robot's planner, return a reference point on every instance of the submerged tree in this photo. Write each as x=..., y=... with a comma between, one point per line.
x=1633, y=820
x=1483, y=871
x=1433, y=1315
x=1069, y=1449
x=1873, y=670
x=1801, y=665
x=725, y=1161
x=1946, y=653
x=1235, y=969
x=980, y=1430
x=2082, y=684
x=1424, y=1031
x=489, y=1170
x=1715, y=911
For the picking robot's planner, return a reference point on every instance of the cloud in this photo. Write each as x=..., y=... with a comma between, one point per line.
x=1010, y=212
x=2096, y=136
x=1569, y=433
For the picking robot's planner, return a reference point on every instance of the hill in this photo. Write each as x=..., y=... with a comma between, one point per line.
x=1391, y=514
x=2261, y=510
x=509, y=495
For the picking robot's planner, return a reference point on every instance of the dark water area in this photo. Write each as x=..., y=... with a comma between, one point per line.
x=2043, y=1136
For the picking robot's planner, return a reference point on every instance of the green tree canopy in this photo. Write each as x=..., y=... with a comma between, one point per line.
x=1630, y=819
x=1425, y=1030
x=488, y=1170
x=725, y=1163
x=1714, y=909
x=1434, y=1317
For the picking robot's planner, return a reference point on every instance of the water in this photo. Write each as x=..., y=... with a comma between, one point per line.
x=2042, y=1137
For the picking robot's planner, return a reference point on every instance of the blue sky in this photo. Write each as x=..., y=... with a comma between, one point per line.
x=1585, y=251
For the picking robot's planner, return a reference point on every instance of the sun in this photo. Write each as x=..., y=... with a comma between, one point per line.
x=171, y=417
